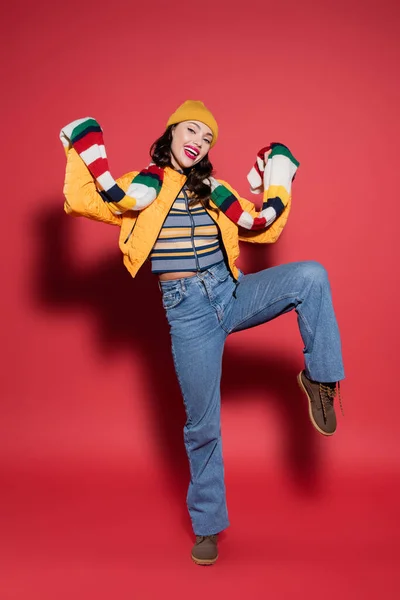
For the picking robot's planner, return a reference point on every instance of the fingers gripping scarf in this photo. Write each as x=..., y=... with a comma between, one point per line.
x=272, y=177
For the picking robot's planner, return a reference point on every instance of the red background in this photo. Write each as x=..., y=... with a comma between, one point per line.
x=93, y=467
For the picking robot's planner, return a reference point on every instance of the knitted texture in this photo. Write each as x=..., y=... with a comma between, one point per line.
x=194, y=110
x=272, y=177
x=86, y=137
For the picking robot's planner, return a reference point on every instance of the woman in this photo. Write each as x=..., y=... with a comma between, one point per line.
x=190, y=224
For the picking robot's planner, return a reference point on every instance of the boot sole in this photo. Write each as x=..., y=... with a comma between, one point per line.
x=204, y=561
x=302, y=387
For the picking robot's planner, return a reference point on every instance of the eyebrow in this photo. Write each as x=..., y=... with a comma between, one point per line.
x=198, y=127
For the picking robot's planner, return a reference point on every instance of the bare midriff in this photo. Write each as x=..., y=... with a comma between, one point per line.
x=177, y=275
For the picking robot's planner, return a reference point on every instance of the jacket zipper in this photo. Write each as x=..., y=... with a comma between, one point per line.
x=131, y=231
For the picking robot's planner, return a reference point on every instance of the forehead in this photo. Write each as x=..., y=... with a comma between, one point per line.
x=200, y=126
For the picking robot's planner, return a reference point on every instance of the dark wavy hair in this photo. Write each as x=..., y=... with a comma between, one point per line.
x=160, y=153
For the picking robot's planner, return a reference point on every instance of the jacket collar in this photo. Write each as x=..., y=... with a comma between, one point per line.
x=174, y=176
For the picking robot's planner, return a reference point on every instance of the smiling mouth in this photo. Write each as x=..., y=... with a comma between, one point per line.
x=191, y=152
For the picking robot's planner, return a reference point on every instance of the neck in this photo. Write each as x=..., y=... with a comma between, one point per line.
x=174, y=163
x=180, y=169
x=177, y=167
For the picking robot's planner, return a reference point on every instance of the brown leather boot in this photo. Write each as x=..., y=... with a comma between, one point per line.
x=320, y=403
x=205, y=551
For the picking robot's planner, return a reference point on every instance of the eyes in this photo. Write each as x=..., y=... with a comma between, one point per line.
x=207, y=140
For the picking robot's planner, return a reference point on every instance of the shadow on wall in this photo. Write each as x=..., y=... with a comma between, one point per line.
x=62, y=284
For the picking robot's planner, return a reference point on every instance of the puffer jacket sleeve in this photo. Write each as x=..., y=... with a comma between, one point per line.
x=270, y=234
x=82, y=198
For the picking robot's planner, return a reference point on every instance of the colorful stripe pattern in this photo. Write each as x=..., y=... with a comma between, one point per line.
x=273, y=177
x=86, y=136
x=188, y=240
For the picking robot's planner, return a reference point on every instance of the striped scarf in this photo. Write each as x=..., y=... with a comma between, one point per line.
x=272, y=177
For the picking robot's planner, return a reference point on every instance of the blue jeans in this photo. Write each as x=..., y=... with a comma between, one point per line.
x=202, y=310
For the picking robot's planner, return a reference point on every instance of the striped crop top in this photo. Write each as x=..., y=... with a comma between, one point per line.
x=188, y=240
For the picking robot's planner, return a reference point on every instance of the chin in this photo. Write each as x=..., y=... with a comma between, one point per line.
x=186, y=164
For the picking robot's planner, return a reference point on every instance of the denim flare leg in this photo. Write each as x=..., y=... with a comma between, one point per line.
x=202, y=311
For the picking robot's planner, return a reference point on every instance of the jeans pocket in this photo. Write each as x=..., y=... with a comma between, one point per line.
x=172, y=298
x=220, y=272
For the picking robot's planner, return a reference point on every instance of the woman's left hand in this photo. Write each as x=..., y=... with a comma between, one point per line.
x=266, y=154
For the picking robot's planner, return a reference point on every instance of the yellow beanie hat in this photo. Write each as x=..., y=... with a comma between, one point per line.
x=196, y=111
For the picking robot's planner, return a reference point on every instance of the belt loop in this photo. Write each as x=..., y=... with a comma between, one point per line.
x=183, y=285
x=159, y=285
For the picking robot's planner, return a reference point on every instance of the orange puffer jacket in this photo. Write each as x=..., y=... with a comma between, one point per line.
x=140, y=229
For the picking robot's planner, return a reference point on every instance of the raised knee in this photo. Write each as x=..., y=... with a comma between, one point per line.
x=315, y=271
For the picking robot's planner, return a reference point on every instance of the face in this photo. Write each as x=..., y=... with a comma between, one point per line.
x=191, y=141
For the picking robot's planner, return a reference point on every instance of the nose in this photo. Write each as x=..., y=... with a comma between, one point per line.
x=198, y=140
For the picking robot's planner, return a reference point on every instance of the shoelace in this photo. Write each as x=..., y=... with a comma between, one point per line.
x=328, y=394
x=201, y=538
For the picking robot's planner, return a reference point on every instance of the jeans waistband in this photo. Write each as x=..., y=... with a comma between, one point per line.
x=183, y=282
